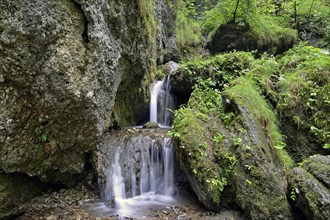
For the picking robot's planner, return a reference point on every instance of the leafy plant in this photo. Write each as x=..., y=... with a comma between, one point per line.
x=304, y=90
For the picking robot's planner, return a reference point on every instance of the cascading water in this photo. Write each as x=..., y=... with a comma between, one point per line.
x=141, y=173
x=136, y=169
x=161, y=101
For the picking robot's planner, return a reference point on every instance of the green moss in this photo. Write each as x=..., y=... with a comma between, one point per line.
x=304, y=91
x=246, y=93
x=268, y=33
x=147, y=12
x=188, y=33
x=221, y=68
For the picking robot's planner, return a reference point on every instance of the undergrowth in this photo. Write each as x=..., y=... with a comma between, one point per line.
x=304, y=91
x=246, y=93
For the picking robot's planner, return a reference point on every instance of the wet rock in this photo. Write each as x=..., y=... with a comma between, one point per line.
x=150, y=125
x=170, y=67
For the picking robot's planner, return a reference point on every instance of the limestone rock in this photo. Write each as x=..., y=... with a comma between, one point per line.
x=65, y=71
x=170, y=67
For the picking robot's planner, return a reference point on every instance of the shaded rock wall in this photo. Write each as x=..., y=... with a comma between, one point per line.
x=61, y=64
x=15, y=197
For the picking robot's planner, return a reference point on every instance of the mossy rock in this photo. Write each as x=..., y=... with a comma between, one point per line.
x=17, y=192
x=310, y=196
x=304, y=100
x=224, y=144
x=319, y=166
x=242, y=37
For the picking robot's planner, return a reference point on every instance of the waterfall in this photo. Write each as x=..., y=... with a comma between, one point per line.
x=161, y=101
x=140, y=172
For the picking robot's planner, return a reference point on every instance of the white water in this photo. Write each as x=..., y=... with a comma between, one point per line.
x=160, y=102
x=155, y=178
x=154, y=91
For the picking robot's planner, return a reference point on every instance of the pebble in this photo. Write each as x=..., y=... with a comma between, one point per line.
x=52, y=217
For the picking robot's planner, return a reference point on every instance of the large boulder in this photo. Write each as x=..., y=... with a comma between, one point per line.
x=64, y=65
x=229, y=148
x=319, y=166
x=240, y=36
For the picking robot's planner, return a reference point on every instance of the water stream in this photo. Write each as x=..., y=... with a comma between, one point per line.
x=161, y=102
x=136, y=166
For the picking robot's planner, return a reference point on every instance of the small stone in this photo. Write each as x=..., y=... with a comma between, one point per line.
x=90, y=94
x=52, y=217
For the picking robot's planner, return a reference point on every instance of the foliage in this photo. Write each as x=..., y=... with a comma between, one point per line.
x=304, y=90
x=41, y=135
x=221, y=69
x=188, y=33
x=148, y=17
x=246, y=93
x=191, y=128
x=310, y=16
x=256, y=14
x=265, y=72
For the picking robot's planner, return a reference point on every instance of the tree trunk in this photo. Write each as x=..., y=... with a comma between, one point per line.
x=310, y=10
x=295, y=12
x=234, y=17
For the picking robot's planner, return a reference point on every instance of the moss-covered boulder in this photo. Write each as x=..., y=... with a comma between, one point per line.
x=221, y=69
x=311, y=196
x=231, y=150
x=17, y=192
x=319, y=166
x=247, y=36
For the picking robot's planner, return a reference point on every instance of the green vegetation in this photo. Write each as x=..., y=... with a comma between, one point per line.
x=188, y=34
x=195, y=141
x=308, y=17
x=221, y=69
x=304, y=91
x=147, y=12
x=271, y=23
x=245, y=93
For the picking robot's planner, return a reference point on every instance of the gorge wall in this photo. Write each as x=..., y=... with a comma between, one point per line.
x=62, y=65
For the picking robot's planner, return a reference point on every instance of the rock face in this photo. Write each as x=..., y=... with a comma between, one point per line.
x=16, y=193
x=228, y=154
x=62, y=64
x=310, y=187
x=140, y=153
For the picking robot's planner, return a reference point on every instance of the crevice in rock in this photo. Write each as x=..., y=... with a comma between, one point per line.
x=84, y=34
